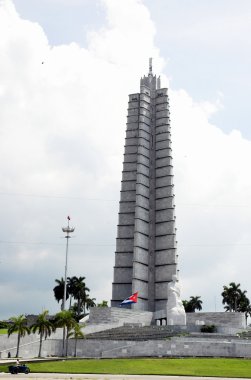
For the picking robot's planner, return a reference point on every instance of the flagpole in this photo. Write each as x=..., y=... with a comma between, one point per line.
x=68, y=230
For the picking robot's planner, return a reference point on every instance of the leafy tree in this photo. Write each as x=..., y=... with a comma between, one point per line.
x=79, y=310
x=75, y=312
x=59, y=291
x=18, y=325
x=4, y=325
x=195, y=303
x=65, y=320
x=44, y=327
x=103, y=304
x=232, y=296
x=76, y=333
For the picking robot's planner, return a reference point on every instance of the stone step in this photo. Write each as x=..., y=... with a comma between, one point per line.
x=153, y=332
x=133, y=332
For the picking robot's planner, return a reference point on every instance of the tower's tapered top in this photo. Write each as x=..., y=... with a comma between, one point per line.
x=151, y=81
x=150, y=66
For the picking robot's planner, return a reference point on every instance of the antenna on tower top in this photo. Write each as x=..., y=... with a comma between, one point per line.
x=150, y=66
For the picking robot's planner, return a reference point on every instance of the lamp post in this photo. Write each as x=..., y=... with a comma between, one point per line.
x=68, y=230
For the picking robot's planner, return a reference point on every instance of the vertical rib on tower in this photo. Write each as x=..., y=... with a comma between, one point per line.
x=145, y=257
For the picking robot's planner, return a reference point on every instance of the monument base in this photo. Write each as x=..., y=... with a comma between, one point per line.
x=109, y=317
x=176, y=318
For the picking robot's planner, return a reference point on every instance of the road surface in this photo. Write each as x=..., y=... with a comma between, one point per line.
x=58, y=376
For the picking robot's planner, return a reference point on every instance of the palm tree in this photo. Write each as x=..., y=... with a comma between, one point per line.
x=244, y=305
x=59, y=291
x=70, y=287
x=193, y=304
x=79, y=292
x=196, y=303
x=231, y=296
x=44, y=328
x=247, y=313
x=76, y=333
x=65, y=320
x=187, y=306
x=18, y=325
x=90, y=302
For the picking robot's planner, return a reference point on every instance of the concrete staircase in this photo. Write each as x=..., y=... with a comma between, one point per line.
x=134, y=333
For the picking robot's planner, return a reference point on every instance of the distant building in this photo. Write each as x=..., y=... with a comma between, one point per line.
x=145, y=257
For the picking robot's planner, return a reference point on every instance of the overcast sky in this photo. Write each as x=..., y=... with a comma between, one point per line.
x=66, y=69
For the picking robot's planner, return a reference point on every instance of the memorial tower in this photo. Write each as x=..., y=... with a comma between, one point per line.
x=145, y=257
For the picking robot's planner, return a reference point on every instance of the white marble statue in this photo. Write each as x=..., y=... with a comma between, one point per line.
x=176, y=314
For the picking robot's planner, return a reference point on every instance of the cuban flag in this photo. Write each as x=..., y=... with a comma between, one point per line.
x=132, y=299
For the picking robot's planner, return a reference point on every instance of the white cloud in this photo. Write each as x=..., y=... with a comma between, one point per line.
x=213, y=199
x=62, y=128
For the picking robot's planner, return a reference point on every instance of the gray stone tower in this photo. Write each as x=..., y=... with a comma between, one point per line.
x=145, y=257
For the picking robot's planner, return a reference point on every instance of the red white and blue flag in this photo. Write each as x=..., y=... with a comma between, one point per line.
x=132, y=299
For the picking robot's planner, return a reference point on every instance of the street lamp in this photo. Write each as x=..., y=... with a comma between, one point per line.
x=68, y=230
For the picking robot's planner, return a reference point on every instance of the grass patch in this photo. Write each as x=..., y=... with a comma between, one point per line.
x=184, y=367
x=3, y=331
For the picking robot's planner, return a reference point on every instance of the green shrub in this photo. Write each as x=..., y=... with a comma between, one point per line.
x=208, y=329
x=4, y=325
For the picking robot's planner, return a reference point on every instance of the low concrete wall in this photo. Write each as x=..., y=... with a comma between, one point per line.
x=178, y=347
x=226, y=320
x=10, y=344
x=175, y=347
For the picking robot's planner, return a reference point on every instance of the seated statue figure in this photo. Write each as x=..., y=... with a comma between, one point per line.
x=176, y=314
